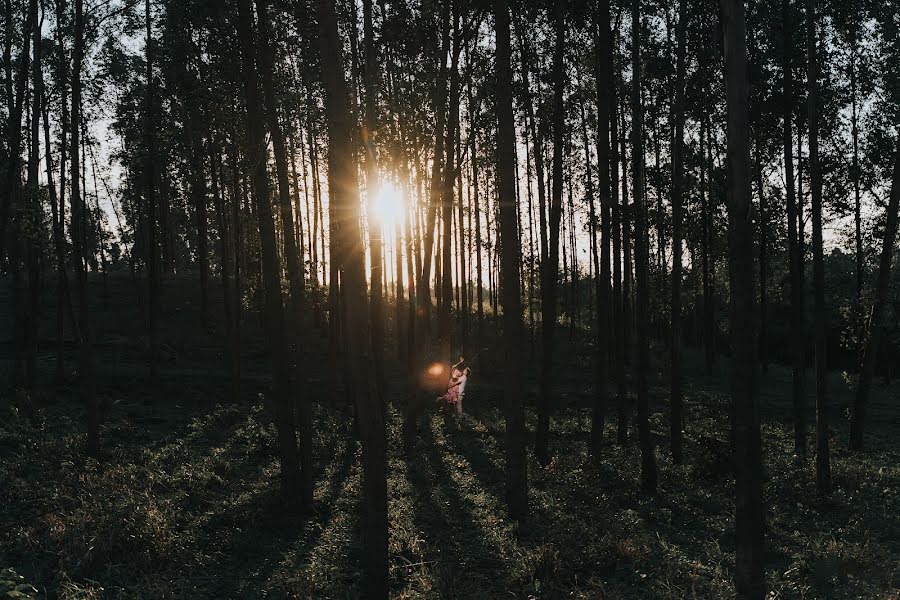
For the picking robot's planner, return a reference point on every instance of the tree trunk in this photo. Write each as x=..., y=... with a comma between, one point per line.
x=602, y=66
x=449, y=177
x=370, y=82
x=618, y=290
x=870, y=353
x=823, y=466
x=795, y=249
x=296, y=342
x=763, y=260
x=273, y=310
x=345, y=195
x=749, y=516
x=86, y=356
x=31, y=218
x=857, y=215
x=152, y=250
x=12, y=203
x=551, y=267
x=642, y=258
x=440, y=109
x=676, y=418
x=513, y=331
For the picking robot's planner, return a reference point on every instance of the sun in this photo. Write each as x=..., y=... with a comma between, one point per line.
x=389, y=206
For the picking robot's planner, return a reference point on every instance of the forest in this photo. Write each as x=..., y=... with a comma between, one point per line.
x=525, y=299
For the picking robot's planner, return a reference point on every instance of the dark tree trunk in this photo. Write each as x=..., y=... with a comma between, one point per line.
x=676, y=419
x=369, y=133
x=618, y=289
x=449, y=177
x=551, y=268
x=152, y=250
x=295, y=343
x=876, y=328
x=749, y=516
x=513, y=331
x=823, y=466
x=440, y=108
x=602, y=66
x=12, y=207
x=795, y=249
x=30, y=220
x=86, y=354
x=273, y=310
x=345, y=194
x=642, y=258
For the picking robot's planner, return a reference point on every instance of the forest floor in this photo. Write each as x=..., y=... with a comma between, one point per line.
x=183, y=501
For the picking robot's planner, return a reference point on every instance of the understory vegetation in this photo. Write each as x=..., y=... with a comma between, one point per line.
x=183, y=501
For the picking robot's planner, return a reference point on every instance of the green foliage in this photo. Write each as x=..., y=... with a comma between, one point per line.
x=13, y=586
x=182, y=503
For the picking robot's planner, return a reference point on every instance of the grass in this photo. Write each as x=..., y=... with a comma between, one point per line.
x=183, y=501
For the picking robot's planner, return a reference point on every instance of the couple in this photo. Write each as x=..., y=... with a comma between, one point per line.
x=456, y=387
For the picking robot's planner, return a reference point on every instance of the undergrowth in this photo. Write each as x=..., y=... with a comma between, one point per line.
x=183, y=504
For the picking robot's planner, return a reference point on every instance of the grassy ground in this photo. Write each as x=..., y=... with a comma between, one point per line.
x=183, y=504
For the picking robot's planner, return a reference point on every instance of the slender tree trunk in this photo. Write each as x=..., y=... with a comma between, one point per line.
x=152, y=249
x=294, y=258
x=648, y=454
x=449, y=177
x=762, y=352
x=823, y=466
x=795, y=249
x=550, y=270
x=602, y=64
x=224, y=261
x=31, y=218
x=273, y=310
x=64, y=301
x=749, y=516
x=60, y=219
x=676, y=419
x=876, y=328
x=86, y=357
x=369, y=133
x=437, y=160
x=857, y=215
x=618, y=288
x=479, y=294
x=513, y=331
x=12, y=208
x=345, y=194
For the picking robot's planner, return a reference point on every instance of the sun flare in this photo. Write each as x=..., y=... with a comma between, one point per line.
x=389, y=205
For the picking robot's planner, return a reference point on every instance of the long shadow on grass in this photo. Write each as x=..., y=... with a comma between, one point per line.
x=443, y=511
x=258, y=533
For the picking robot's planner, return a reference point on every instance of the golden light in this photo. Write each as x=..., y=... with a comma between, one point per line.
x=434, y=378
x=389, y=205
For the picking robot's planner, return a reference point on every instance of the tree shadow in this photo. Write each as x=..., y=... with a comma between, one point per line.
x=445, y=512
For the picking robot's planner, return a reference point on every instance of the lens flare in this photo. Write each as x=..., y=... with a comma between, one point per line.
x=388, y=205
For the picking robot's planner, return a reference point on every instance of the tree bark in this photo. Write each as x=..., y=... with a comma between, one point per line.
x=273, y=310
x=749, y=519
x=513, y=331
x=876, y=329
x=345, y=196
x=795, y=249
x=295, y=343
x=86, y=356
x=551, y=267
x=676, y=418
x=152, y=250
x=642, y=233
x=823, y=466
